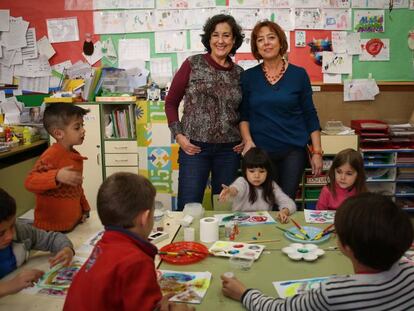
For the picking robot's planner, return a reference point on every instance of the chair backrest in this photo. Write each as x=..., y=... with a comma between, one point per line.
x=219, y=206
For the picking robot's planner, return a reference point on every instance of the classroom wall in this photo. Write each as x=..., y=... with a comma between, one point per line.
x=389, y=106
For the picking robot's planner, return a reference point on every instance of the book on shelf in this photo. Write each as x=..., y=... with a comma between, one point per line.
x=115, y=98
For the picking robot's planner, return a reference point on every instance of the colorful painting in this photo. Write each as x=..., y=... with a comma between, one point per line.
x=294, y=287
x=239, y=249
x=319, y=217
x=369, y=21
x=246, y=218
x=188, y=287
x=57, y=280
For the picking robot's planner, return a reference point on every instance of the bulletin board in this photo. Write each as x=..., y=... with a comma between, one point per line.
x=397, y=24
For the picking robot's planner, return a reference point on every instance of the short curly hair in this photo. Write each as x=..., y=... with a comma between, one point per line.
x=275, y=28
x=210, y=26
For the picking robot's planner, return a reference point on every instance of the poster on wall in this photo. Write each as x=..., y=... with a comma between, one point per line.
x=62, y=29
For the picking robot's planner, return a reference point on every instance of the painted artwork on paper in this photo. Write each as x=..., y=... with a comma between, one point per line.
x=319, y=217
x=90, y=243
x=188, y=287
x=293, y=287
x=246, y=218
x=57, y=280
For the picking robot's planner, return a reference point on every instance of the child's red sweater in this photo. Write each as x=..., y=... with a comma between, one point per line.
x=59, y=207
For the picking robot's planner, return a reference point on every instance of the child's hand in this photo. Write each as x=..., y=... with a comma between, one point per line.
x=24, y=279
x=227, y=192
x=165, y=305
x=64, y=256
x=283, y=215
x=232, y=288
x=85, y=216
x=66, y=175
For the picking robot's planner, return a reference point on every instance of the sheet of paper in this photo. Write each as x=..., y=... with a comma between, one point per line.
x=109, y=22
x=308, y=18
x=96, y=55
x=137, y=77
x=376, y=49
x=197, y=46
x=290, y=288
x=8, y=56
x=353, y=43
x=337, y=19
x=38, y=84
x=38, y=67
x=30, y=50
x=360, y=89
x=108, y=50
x=319, y=216
x=285, y=18
x=4, y=20
x=336, y=63
x=170, y=41
x=45, y=48
x=2, y=96
x=339, y=41
x=161, y=67
x=62, y=29
x=15, y=38
x=332, y=78
x=130, y=50
x=17, y=58
x=369, y=20
x=57, y=73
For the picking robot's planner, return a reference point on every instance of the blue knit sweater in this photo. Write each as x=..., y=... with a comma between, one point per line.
x=280, y=116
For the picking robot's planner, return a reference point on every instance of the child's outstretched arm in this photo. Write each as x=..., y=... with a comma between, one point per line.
x=286, y=205
x=24, y=279
x=227, y=192
x=64, y=256
x=232, y=288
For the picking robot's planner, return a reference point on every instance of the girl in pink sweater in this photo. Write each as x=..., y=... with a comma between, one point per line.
x=347, y=178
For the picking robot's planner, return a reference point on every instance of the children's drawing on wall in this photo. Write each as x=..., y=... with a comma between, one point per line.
x=294, y=287
x=360, y=89
x=336, y=63
x=369, y=21
x=189, y=287
x=337, y=19
x=336, y=4
x=62, y=29
x=375, y=49
x=308, y=18
x=283, y=17
x=317, y=46
x=170, y=41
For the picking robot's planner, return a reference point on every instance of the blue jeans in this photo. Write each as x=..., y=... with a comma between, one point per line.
x=218, y=159
x=288, y=168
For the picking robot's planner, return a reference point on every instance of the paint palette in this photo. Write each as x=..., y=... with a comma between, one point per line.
x=311, y=231
x=239, y=249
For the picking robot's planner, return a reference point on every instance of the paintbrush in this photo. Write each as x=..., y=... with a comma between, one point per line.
x=322, y=233
x=169, y=253
x=301, y=229
x=291, y=233
x=260, y=241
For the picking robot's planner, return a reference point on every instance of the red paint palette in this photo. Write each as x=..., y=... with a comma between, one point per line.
x=183, y=253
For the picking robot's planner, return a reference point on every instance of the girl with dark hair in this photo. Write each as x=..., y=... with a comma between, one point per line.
x=256, y=191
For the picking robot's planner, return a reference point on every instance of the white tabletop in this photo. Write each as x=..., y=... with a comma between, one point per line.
x=39, y=260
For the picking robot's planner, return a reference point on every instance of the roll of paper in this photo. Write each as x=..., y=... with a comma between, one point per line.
x=189, y=234
x=209, y=229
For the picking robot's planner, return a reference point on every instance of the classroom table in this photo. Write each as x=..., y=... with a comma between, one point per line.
x=272, y=265
x=39, y=260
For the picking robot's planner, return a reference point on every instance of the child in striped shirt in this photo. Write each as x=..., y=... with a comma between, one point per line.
x=373, y=233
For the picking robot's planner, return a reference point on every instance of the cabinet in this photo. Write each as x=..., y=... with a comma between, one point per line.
x=391, y=173
x=120, y=152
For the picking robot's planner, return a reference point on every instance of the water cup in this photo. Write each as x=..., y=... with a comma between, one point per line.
x=158, y=220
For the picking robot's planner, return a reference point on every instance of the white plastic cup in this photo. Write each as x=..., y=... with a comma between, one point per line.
x=158, y=220
x=189, y=234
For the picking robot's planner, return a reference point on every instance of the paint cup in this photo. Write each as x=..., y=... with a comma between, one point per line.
x=189, y=234
x=194, y=209
x=158, y=220
x=241, y=263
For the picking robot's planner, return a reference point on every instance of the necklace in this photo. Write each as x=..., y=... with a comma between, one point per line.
x=273, y=78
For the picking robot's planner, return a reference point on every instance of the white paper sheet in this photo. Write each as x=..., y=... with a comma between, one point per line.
x=375, y=49
x=332, y=78
x=336, y=63
x=57, y=73
x=62, y=29
x=38, y=84
x=353, y=43
x=96, y=55
x=132, y=49
x=360, y=89
x=161, y=67
x=170, y=41
x=8, y=56
x=6, y=74
x=15, y=38
x=45, y=48
x=4, y=20
x=38, y=67
x=30, y=50
x=339, y=41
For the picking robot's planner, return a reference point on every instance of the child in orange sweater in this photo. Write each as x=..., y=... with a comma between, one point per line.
x=56, y=178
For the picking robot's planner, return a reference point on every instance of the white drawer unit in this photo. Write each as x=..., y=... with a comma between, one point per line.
x=121, y=159
x=109, y=170
x=121, y=146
